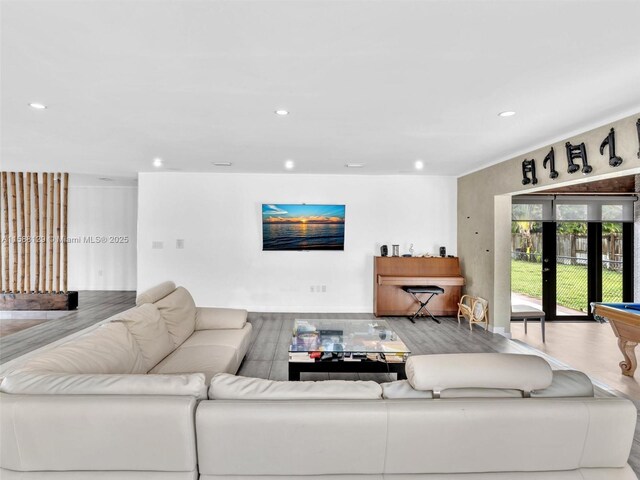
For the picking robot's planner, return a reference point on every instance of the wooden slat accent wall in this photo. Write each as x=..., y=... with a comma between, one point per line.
x=65, y=205
x=52, y=238
x=43, y=236
x=36, y=232
x=5, y=232
x=33, y=229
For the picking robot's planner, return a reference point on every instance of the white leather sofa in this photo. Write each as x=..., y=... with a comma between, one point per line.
x=480, y=427
x=456, y=417
x=118, y=401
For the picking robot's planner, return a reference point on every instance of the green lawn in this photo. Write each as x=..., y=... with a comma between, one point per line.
x=526, y=278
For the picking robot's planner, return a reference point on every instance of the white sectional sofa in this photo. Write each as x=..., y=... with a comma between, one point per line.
x=165, y=333
x=119, y=399
x=131, y=399
x=456, y=417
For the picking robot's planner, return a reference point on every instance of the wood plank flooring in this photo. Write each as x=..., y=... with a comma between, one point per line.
x=93, y=307
x=268, y=355
x=590, y=347
x=9, y=326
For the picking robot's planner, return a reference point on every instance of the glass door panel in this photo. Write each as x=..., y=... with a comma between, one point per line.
x=612, y=262
x=572, y=261
x=526, y=263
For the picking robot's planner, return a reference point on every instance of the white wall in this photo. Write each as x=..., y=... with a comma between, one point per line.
x=219, y=218
x=96, y=211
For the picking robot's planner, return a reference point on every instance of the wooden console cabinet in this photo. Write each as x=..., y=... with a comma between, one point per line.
x=390, y=274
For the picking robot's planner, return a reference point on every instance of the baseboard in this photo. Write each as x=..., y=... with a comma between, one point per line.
x=500, y=331
x=298, y=309
x=105, y=288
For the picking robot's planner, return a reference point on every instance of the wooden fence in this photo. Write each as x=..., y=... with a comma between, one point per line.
x=571, y=248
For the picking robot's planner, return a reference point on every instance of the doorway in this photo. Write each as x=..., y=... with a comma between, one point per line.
x=567, y=252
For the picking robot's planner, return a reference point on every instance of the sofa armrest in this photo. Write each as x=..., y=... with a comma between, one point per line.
x=211, y=318
x=45, y=383
x=97, y=433
x=566, y=383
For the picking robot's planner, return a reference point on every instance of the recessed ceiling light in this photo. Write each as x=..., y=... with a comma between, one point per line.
x=508, y=113
x=354, y=165
x=38, y=106
x=222, y=164
x=289, y=164
x=157, y=162
x=418, y=164
x=282, y=113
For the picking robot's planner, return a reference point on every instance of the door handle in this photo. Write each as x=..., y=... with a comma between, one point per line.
x=546, y=269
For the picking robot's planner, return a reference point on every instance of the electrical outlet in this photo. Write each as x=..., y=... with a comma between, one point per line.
x=157, y=245
x=180, y=243
x=324, y=289
x=312, y=289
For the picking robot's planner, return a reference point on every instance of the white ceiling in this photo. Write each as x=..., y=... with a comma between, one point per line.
x=377, y=82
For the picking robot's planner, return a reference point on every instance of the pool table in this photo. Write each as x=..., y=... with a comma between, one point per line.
x=624, y=319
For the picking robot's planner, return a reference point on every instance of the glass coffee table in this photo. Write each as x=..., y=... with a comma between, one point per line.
x=355, y=346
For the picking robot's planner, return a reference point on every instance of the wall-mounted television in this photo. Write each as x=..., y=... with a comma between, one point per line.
x=302, y=227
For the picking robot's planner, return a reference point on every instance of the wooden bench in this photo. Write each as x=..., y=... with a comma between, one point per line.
x=528, y=312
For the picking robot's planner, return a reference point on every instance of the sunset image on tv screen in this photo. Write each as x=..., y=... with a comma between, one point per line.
x=302, y=227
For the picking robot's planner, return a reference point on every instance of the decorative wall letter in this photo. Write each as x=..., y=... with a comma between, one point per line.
x=551, y=160
x=529, y=166
x=577, y=151
x=638, y=128
x=614, y=160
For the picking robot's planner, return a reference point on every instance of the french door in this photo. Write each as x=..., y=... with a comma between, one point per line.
x=568, y=251
x=584, y=262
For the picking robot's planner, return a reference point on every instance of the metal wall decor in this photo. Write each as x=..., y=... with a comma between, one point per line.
x=575, y=152
x=638, y=128
x=551, y=160
x=529, y=167
x=577, y=157
x=610, y=140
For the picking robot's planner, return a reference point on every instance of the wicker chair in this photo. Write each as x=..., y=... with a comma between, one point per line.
x=475, y=310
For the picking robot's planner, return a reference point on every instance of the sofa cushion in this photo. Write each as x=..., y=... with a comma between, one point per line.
x=237, y=339
x=150, y=332
x=92, y=384
x=210, y=318
x=178, y=310
x=566, y=383
x=107, y=349
x=155, y=293
x=98, y=437
x=203, y=359
x=402, y=389
x=231, y=387
x=533, y=435
x=478, y=370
